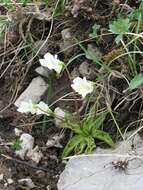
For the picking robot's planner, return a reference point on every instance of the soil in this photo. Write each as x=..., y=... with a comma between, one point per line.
x=15, y=76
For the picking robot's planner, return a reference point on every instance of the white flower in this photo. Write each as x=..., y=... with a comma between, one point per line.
x=52, y=62
x=43, y=108
x=27, y=107
x=82, y=86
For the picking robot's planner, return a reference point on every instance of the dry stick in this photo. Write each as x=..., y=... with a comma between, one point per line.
x=82, y=41
x=16, y=53
x=12, y=100
x=59, y=99
x=19, y=4
x=25, y=163
x=124, y=54
x=134, y=133
x=50, y=31
x=3, y=58
x=140, y=35
x=11, y=51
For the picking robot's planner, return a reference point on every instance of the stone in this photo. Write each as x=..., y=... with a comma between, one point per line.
x=1, y=177
x=10, y=181
x=119, y=169
x=43, y=71
x=40, y=174
x=27, y=181
x=55, y=141
x=27, y=143
x=35, y=154
x=67, y=42
x=17, y=132
x=33, y=92
x=75, y=72
x=59, y=116
x=87, y=70
x=93, y=50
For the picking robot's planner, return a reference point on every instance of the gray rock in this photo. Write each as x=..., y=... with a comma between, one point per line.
x=59, y=116
x=87, y=70
x=55, y=141
x=33, y=92
x=120, y=169
x=67, y=42
x=43, y=71
x=92, y=49
x=27, y=181
x=75, y=72
x=35, y=154
x=27, y=143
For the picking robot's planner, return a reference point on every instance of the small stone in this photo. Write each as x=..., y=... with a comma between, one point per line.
x=33, y=92
x=27, y=143
x=40, y=174
x=66, y=35
x=43, y=71
x=54, y=141
x=59, y=116
x=10, y=181
x=95, y=50
x=6, y=184
x=87, y=70
x=1, y=177
x=17, y=132
x=48, y=187
x=35, y=154
x=75, y=73
x=27, y=181
x=67, y=42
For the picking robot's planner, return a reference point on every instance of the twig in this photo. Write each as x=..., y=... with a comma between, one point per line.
x=25, y=163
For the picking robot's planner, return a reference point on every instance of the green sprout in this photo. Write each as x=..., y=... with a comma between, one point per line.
x=17, y=144
x=120, y=27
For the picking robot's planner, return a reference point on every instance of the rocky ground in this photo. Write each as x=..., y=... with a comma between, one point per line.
x=32, y=32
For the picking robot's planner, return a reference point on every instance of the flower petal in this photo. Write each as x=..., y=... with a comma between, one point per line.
x=52, y=62
x=82, y=86
x=42, y=108
x=43, y=62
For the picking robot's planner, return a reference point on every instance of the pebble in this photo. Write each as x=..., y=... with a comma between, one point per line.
x=33, y=92
x=27, y=143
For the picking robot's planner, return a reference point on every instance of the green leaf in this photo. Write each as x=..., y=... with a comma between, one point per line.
x=90, y=145
x=17, y=144
x=79, y=144
x=95, y=29
x=94, y=122
x=24, y=2
x=118, y=38
x=120, y=26
x=72, y=144
x=136, y=82
x=101, y=135
x=136, y=14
